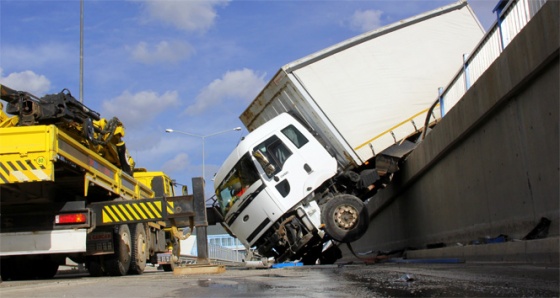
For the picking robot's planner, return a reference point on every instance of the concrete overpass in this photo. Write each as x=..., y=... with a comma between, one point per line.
x=489, y=168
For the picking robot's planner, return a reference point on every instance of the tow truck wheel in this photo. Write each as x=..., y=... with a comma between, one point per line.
x=8, y=268
x=346, y=218
x=28, y=267
x=168, y=267
x=46, y=268
x=118, y=263
x=139, y=249
x=94, y=265
x=176, y=251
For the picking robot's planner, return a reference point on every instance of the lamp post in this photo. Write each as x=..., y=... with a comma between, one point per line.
x=203, y=137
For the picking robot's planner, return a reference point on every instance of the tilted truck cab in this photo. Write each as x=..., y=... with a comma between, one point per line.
x=267, y=190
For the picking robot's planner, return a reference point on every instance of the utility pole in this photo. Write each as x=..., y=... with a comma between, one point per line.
x=81, y=51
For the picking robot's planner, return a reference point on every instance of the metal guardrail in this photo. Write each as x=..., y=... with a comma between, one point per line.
x=222, y=254
x=512, y=16
x=217, y=255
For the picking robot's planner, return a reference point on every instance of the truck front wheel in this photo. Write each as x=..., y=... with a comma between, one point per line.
x=346, y=218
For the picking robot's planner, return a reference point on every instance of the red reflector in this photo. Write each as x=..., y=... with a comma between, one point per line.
x=71, y=218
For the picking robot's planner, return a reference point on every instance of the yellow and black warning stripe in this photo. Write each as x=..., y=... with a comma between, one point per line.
x=134, y=211
x=24, y=170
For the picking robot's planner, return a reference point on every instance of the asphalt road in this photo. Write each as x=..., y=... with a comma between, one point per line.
x=351, y=280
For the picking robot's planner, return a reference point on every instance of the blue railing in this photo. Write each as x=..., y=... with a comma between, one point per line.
x=511, y=16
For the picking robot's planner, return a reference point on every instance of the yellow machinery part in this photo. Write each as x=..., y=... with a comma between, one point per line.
x=5, y=120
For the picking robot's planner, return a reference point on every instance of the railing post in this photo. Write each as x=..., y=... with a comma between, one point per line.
x=441, y=102
x=498, y=10
x=466, y=71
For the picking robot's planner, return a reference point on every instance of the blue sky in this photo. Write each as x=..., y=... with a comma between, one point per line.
x=192, y=66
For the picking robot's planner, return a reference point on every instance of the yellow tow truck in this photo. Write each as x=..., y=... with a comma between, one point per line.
x=69, y=189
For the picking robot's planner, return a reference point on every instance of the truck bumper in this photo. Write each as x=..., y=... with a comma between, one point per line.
x=43, y=242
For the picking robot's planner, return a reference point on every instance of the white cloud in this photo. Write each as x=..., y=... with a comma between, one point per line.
x=366, y=20
x=242, y=85
x=185, y=15
x=178, y=163
x=27, y=81
x=163, y=52
x=151, y=147
x=139, y=108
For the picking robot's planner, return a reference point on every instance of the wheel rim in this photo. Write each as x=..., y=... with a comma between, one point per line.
x=142, y=250
x=345, y=217
x=126, y=241
x=141, y=247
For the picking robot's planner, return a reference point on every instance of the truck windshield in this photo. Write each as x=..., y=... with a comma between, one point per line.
x=236, y=182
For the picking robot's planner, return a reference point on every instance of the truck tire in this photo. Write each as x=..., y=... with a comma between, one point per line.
x=7, y=268
x=46, y=268
x=312, y=255
x=28, y=267
x=94, y=265
x=139, y=249
x=346, y=218
x=168, y=267
x=330, y=256
x=17, y=268
x=176, y=254
x=118, y=263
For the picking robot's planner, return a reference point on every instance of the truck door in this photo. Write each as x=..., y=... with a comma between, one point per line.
x=247, y=208
x=284, y=168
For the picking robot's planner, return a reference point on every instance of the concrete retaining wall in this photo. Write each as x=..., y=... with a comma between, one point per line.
x=491, y=166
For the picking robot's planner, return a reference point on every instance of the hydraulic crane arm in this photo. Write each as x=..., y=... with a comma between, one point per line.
x=70, y=115
x=49, y=109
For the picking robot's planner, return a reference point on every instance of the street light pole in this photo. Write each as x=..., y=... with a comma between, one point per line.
x=82, y=51
x=203, y=137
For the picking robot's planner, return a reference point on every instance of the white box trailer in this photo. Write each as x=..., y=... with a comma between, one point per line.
x=369, y=92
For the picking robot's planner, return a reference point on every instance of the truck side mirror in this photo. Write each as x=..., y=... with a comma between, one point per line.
x=269, y=169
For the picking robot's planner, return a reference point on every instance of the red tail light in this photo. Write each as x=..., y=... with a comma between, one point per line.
x=71, y=218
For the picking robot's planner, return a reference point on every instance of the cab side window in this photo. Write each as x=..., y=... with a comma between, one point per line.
x=275, y=151
x=295, y=136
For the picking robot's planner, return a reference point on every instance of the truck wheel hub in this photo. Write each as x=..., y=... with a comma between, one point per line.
x=345, y=217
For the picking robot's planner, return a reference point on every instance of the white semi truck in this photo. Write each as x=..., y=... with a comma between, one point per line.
x=329, y=130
